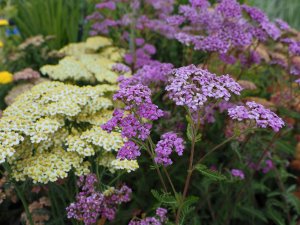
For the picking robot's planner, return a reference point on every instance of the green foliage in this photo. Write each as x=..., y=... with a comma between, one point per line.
x=211, y=174
x=62, y=19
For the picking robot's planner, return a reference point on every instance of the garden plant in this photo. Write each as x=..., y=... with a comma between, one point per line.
x=148, y=112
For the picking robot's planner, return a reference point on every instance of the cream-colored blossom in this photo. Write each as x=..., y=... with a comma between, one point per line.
x=109, y=160
x=53, y=129
x=89, y=61
x=108, y=141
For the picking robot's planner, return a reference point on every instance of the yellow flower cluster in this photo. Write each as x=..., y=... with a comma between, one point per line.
x=55, y=127
x=109, y=160
x=90, y=61
x=6, y=77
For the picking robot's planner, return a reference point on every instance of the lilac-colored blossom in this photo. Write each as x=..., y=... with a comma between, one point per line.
x=106, y=5
x=193, y=87
x=91, y=204
x=238, y=173
x=254, y=111
x=121, y=68
x=283, y=25
x=229, y=8
x=159, y=219
x=164, y=148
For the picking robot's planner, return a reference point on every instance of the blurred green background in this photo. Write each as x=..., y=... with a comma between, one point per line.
x=287, y=10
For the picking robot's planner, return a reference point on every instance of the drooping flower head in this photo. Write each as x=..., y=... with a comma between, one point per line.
x=193, y=87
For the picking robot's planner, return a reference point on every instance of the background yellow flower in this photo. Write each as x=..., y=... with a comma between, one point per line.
x=5, y=77
x=3, y=22
x=1, y=44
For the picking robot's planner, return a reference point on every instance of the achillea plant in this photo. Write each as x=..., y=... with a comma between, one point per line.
x=90, y=62
x=54, y=128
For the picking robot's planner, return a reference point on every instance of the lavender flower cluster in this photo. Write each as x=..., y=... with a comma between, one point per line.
x=159, y=219
x=165, y=146
x=91, y=204
x=132, y=121
x=225, y=28
x=192, y=87
x=254, y=111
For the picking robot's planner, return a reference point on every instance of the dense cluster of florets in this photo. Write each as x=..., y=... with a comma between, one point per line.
x=133, y=120
x=193, y=87
x=51, y=129
x=253, y=111
x=164, y=148
x=159, y=219
x=91, y=204
x=91, y=61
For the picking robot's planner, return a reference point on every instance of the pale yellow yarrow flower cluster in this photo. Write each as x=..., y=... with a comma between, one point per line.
x=109, y=160
x=6, y=77
x=55, y=128
x=90, y=61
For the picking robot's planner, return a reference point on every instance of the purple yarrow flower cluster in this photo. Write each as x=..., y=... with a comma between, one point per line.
x=142, y=56
x=129, y=151
x=164, y=148
x=106, y=5
x=121, y=68
x=283, y=25
x=193, y=87
x=224, y=26
x=154, y=73
x=238, y=173
x=263, y=21
x=229, y=8
x=91, y=204
x=220, y=29
x=131, y=120
x=254, y=111
x=159, y=219
x=200, y=3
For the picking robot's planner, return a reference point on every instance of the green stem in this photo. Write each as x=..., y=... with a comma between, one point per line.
x=190, y=167
x=170, y=180
x=150, y=152
x=223, y=143
x=25, y=205
x=20, y=195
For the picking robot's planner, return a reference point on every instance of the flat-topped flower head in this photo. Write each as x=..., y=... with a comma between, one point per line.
x=133, y=95
x=193, y=87
x=253, y=111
